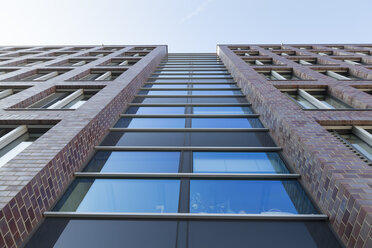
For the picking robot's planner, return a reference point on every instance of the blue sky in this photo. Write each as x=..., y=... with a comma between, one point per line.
x=186, y=26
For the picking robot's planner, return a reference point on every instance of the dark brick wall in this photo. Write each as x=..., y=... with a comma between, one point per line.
x=32, y=182
x=338, y=180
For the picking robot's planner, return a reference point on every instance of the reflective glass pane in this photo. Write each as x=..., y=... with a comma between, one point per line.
x=249, y=197
x=121, y=195
x=226, y=123
x=216, y=92
x=230, y=139
x=161, y=86
x=160, y=100
x=150, y=123
x=262, y=234
x=238, y=162
x=93, y=233
x=200, y=86
x=219, y=100
x=222, y=110
x=155, y=110
x=162, y=92
x=134, y=162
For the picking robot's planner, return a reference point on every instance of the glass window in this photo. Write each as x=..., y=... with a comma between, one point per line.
x=155, y=110
x=222, y=110
x=359, y=144
x=226, y=123
x=332, y=102
x=162, y=92
x=200, y=86
x=150, y=123
x=134, y=162
x=161, y=86
x=219, y=100
x=249, y=197
x=121, y=195
x=94, y=233
x=216, y=92
x=230, y=139
x=263, y=234
x=160, y=100
x=238, y=162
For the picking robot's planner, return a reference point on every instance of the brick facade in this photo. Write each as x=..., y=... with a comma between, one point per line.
x=32, y=182
x=338, y=180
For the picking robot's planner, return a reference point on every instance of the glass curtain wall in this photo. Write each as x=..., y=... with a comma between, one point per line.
x=188, y=164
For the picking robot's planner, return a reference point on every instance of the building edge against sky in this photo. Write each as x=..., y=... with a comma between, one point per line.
x=314, y=99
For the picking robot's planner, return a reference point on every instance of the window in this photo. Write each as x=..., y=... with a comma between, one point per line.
x=359, y=138
x=65, y=99
x=208, y=139
x=155, y=110
x=14, y=140
x=151, y=123
x=280, y=75
x=249, y=197
x=122, y=195
x=226, y=123
x=222, y=110
x=5, y=92
x=99, y=75
x=260, y=61
x=120, y=62
x=134, y=162
x=342, y=74
x=316, y=99
x=238, y=162
x=40, y=75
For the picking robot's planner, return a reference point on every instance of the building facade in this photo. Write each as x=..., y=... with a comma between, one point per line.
x=129, y=146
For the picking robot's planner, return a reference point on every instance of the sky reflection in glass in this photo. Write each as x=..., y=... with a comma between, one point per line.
x=238, y=162
x=249, y=197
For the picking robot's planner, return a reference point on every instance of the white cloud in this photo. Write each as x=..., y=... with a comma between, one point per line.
x=196, y=11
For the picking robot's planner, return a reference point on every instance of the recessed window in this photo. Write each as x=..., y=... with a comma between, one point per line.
x=121, y=195
x=359, y=138
x=74, y=62
x=58, y=54
x=65, y=99
x=98, y=54
x=143, y=48
x=316, y=99
x=260, y=61
x=238, y=162
x=306, y=61
x=28, y=62
x=5, y=71
x=239, y=48
x=247, y=53
x=279, y=75
x=249, y=197
x=287, y=53
x=134, y=162
x=39, y=75
x=120, y=62
x=339, y=74
x=8, y=91
x=271, y=47
x=99, y=75
x=138, y=54
x=13, y=140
